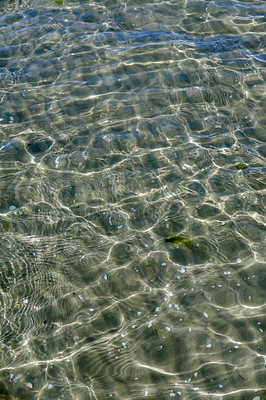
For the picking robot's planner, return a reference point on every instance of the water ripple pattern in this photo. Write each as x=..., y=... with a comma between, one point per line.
x=132, y=200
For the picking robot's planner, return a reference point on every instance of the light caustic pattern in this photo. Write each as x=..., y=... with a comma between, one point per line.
x=132, y=208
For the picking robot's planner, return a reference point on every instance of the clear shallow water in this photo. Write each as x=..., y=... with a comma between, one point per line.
x=122, y=124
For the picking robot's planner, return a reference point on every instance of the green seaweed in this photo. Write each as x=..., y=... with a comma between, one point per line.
x=240, y=166
x=156, y=331
x=13, y=18
x=59, y=2
x=6, y=226
x=148, y=266
x=97, y=115
x=181, y=241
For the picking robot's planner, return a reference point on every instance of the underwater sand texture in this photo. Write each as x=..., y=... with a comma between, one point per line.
x=132, y=200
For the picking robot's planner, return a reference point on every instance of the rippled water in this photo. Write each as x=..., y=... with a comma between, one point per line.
x=123, y=123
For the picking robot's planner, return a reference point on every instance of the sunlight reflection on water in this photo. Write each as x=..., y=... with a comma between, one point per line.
x=132, y=208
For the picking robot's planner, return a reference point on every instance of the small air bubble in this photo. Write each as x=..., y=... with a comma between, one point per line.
x=30, y=385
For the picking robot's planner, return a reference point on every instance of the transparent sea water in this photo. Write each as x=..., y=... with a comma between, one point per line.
x=132, y=200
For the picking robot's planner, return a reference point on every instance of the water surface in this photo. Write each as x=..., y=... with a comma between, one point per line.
x=132, y=200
